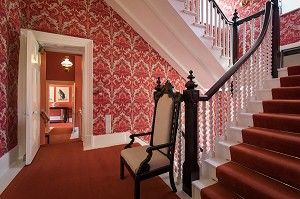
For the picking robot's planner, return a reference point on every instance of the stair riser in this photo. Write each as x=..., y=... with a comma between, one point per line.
x=234, y=135
x=196, y=192
x=255, y=107
x=278, y=124
x=273, y=141
x=281, y=107
x=271, y=83
x=209, y=171
x=282, y=72
x=290, y=81
x=222, y=152
x=245, y=120
x=262, y=95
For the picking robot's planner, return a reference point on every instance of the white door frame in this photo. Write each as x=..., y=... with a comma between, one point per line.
x=85, y=47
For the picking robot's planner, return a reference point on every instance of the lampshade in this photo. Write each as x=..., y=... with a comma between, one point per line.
x=67, y=64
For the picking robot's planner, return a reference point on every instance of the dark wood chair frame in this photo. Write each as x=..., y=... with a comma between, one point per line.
x=144, y=170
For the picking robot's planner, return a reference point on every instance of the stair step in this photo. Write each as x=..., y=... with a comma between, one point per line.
x=286, y=93
x=268, y=163
x=235, y=134
x=290, y=81
x=217, y=191
x=198, y=185
x=271, y=83
x=245, y=119
x=282, y=106
x=255, y=107
x=211, y=165
x=249, y=184
x=223, y=149
x=283, y=142
x=293, y=70
x=264, y=94
x=283, y=122
x=282, y=72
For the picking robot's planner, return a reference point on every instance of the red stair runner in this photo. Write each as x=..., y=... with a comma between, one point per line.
x=267, y=163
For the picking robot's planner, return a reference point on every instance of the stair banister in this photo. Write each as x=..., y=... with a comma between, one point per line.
x=215, y=88
x=275, y=39
x=191, y=98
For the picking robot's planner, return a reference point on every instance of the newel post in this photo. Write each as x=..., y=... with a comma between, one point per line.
x=275, y=39
x=190, y=165
x=235, y=37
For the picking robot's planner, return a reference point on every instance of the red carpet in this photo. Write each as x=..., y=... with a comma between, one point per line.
x=267, y=163
x=65, y=171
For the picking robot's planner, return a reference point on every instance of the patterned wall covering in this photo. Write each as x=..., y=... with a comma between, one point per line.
x=125, y=66
x=290, y=28
x=289, y=22
x=9, y=56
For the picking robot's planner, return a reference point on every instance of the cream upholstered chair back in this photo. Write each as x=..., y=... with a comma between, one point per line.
x=163, y=121
x=167, y=103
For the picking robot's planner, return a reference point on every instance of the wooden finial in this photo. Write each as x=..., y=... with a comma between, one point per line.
x=191, y=84
x=158, y=86
x=235, y=16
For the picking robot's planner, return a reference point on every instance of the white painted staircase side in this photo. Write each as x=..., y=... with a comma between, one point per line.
x=164, y=29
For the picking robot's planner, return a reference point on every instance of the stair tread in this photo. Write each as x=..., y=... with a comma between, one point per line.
x=217, y=191
x=227, y=144
x=250, y=184
x=203, y=182
x=268, y=162
x=215, y=162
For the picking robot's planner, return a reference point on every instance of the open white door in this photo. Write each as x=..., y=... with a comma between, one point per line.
x=73, y=107
x=32, y=98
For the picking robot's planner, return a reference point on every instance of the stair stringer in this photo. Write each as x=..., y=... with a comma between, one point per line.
x=206, y=41
x=180, y=55
x=233, y=137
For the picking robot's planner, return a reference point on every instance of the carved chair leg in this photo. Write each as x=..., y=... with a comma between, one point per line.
x=171, y=176
x=136, y=189
x=121, y=169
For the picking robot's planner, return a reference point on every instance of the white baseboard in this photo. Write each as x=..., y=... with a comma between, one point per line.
x=10, y=166
x=107, y=140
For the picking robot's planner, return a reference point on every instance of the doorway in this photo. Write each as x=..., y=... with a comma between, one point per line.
x=67, y=44
x=63, y=99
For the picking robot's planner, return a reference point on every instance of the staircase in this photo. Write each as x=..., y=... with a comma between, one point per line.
x=266, y=162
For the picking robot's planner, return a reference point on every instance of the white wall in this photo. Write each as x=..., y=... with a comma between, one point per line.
x=289, y=5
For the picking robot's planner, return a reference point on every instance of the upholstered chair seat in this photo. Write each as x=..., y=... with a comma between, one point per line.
x=135, y=156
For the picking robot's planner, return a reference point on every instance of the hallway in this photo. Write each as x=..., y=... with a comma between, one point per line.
x=64, y=170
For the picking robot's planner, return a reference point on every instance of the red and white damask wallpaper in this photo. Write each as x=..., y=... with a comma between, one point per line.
x=125, y=66
x=290, y=27
x=9, y=56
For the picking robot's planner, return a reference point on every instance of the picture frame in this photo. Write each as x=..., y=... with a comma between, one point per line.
x=62, y=94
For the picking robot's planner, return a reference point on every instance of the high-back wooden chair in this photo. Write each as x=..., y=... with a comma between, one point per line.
x=144, y=162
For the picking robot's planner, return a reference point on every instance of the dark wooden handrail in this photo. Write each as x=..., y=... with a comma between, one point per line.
x=223, y=16
x=256, y=15
x=215, y=88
